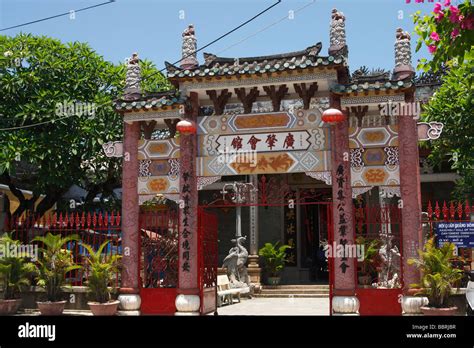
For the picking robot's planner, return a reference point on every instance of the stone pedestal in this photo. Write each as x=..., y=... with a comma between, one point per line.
x=255, y=272
x=187, y=304
x=345, y=305
x=411, y=305
x=129, y=304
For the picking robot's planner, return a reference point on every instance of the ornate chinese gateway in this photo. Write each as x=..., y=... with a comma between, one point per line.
x=259, y=121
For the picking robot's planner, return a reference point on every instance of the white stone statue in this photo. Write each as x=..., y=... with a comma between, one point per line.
x=236, y=262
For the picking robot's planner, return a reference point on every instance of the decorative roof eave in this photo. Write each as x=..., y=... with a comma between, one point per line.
x=255, y=76
x=376, y=88
x=203, y=71
x=154, y=102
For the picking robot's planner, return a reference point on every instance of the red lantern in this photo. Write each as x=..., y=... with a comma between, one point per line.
x=186, y=127
x=333, y=116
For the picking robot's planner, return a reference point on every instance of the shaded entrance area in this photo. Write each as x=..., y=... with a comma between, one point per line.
x=290, y=209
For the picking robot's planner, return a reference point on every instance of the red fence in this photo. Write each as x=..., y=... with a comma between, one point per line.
x=92, y=228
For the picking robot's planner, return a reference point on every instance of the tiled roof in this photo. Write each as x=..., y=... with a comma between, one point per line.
x=149, y=101
x=373, y=86
x=220, y=66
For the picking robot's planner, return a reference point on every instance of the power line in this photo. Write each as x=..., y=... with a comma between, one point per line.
x=219, y=38
x=267, y=27
x=58, y=15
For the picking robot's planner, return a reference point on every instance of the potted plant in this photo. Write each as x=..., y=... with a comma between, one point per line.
x=370, y=261
x=101, y=271
x=438, y=277
x=52, y=268
x=15, y=272
x=275, y=258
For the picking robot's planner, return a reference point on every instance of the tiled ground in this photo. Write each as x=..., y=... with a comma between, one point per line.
x=277, y=306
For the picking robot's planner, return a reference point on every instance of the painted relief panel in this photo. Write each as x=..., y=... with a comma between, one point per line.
x=158, y=184
x=264, y=122
x=373, y=137
x=158, y=170
x=375, y=176
x=264, y=163
x=158, y=149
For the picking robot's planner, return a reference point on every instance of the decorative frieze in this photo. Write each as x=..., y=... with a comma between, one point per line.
x=373, y=137
x=375, y=176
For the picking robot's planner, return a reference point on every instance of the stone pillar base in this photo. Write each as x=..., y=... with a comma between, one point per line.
x=411, y=305
x=187, y=304
x=129, y=304
x=345, y=305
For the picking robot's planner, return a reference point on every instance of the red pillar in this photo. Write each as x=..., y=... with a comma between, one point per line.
x=187, y=301
x=129, y=298
x=410, y=194
x=344, y=300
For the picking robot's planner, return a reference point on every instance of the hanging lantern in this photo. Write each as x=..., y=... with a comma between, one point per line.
x=186, y=127
x=333, y=116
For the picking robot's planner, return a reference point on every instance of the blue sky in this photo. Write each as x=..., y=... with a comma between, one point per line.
x=153, y=27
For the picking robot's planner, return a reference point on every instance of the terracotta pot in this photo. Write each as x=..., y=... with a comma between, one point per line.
x=109, y=308
x=51, y=308
x=9, y=307
x=439, y=311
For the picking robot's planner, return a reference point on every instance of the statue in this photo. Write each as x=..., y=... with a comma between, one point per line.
x=390, y=256
x=235, y=263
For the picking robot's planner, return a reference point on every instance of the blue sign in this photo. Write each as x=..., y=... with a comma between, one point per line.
x=459, y=233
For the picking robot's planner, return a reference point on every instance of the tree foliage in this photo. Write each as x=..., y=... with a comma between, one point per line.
x=46, y=82
x=448, y=32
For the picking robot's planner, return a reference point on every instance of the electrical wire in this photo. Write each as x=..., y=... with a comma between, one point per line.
x=58, y=15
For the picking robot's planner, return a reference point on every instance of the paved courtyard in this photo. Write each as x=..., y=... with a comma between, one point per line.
x=277, y=306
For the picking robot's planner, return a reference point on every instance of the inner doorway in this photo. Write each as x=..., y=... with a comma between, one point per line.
x=313, y=231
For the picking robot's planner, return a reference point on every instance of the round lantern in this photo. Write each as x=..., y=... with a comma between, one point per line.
x=333, y=116
x=186, y=127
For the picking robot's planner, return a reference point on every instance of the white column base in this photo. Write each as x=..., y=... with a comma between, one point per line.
x=345, y=305
x=129, y=303
x=411, y=305
x=187, y=304
x=129, y=313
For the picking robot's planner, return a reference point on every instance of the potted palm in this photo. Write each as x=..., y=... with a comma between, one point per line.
x=15, y=272
x=101, y=269
x=52, y=268
x=370, y=261
x=438, y=277
x=275, y=258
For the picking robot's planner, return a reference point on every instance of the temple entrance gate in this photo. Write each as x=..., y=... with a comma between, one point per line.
x=158, y=263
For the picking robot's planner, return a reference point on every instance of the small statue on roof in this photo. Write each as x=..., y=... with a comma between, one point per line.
x=337, y=15
x=402, y=35
x=134, y=59
x=189, y=31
